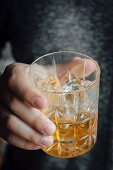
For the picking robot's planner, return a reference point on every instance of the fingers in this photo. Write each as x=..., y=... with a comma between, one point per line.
x=90, y=67
x=17, y=126
x=84, y=67
x=23, y=124
x=77, y=66
x=21, y=142
x=33, y=117
x=16, y=77
x=18, y=141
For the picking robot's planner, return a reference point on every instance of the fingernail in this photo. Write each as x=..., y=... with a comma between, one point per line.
x=39, y=102
x=47, y=140
x=49, y=128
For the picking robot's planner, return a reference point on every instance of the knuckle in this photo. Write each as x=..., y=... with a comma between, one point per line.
x=12, y=80
x=13, y=104
x=26, y=92
x=9, y=68
x=10, y=121
x=10, y=74
x=11, y=101
x=33, y=137
x=27, y=145
x=10, y=138
x=35, y=122
x=38, y=121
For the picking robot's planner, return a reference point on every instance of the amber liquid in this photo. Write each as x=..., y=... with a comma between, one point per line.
x=76, y=122
x=73, y=137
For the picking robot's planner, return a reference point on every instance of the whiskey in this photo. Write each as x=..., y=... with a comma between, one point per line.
x=69, y=108
x=74, y=137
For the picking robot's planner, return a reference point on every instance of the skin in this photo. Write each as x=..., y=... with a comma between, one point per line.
x=21, y=121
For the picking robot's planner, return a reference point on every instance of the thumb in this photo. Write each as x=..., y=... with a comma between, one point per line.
x=16, y=77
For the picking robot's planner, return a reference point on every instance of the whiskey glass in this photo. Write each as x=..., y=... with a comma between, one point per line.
x=70, y=82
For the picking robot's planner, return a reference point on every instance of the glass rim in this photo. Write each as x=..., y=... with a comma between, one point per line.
x=71, y=52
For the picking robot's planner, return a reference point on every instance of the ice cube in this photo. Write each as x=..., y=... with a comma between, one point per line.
x=84, y=103
x=86, y=83
x=72, y=85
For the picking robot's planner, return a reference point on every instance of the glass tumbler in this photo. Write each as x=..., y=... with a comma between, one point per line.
x=70, y=82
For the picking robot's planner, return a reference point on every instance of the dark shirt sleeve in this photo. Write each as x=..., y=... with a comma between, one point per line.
x=5, y=22
x=13, y=28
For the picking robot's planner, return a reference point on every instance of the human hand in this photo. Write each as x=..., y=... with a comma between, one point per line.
x=21, y=121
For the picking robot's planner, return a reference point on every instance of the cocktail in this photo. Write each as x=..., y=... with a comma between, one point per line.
x=70, y=82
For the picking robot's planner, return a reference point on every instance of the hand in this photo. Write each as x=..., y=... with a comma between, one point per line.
x=21, y=121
